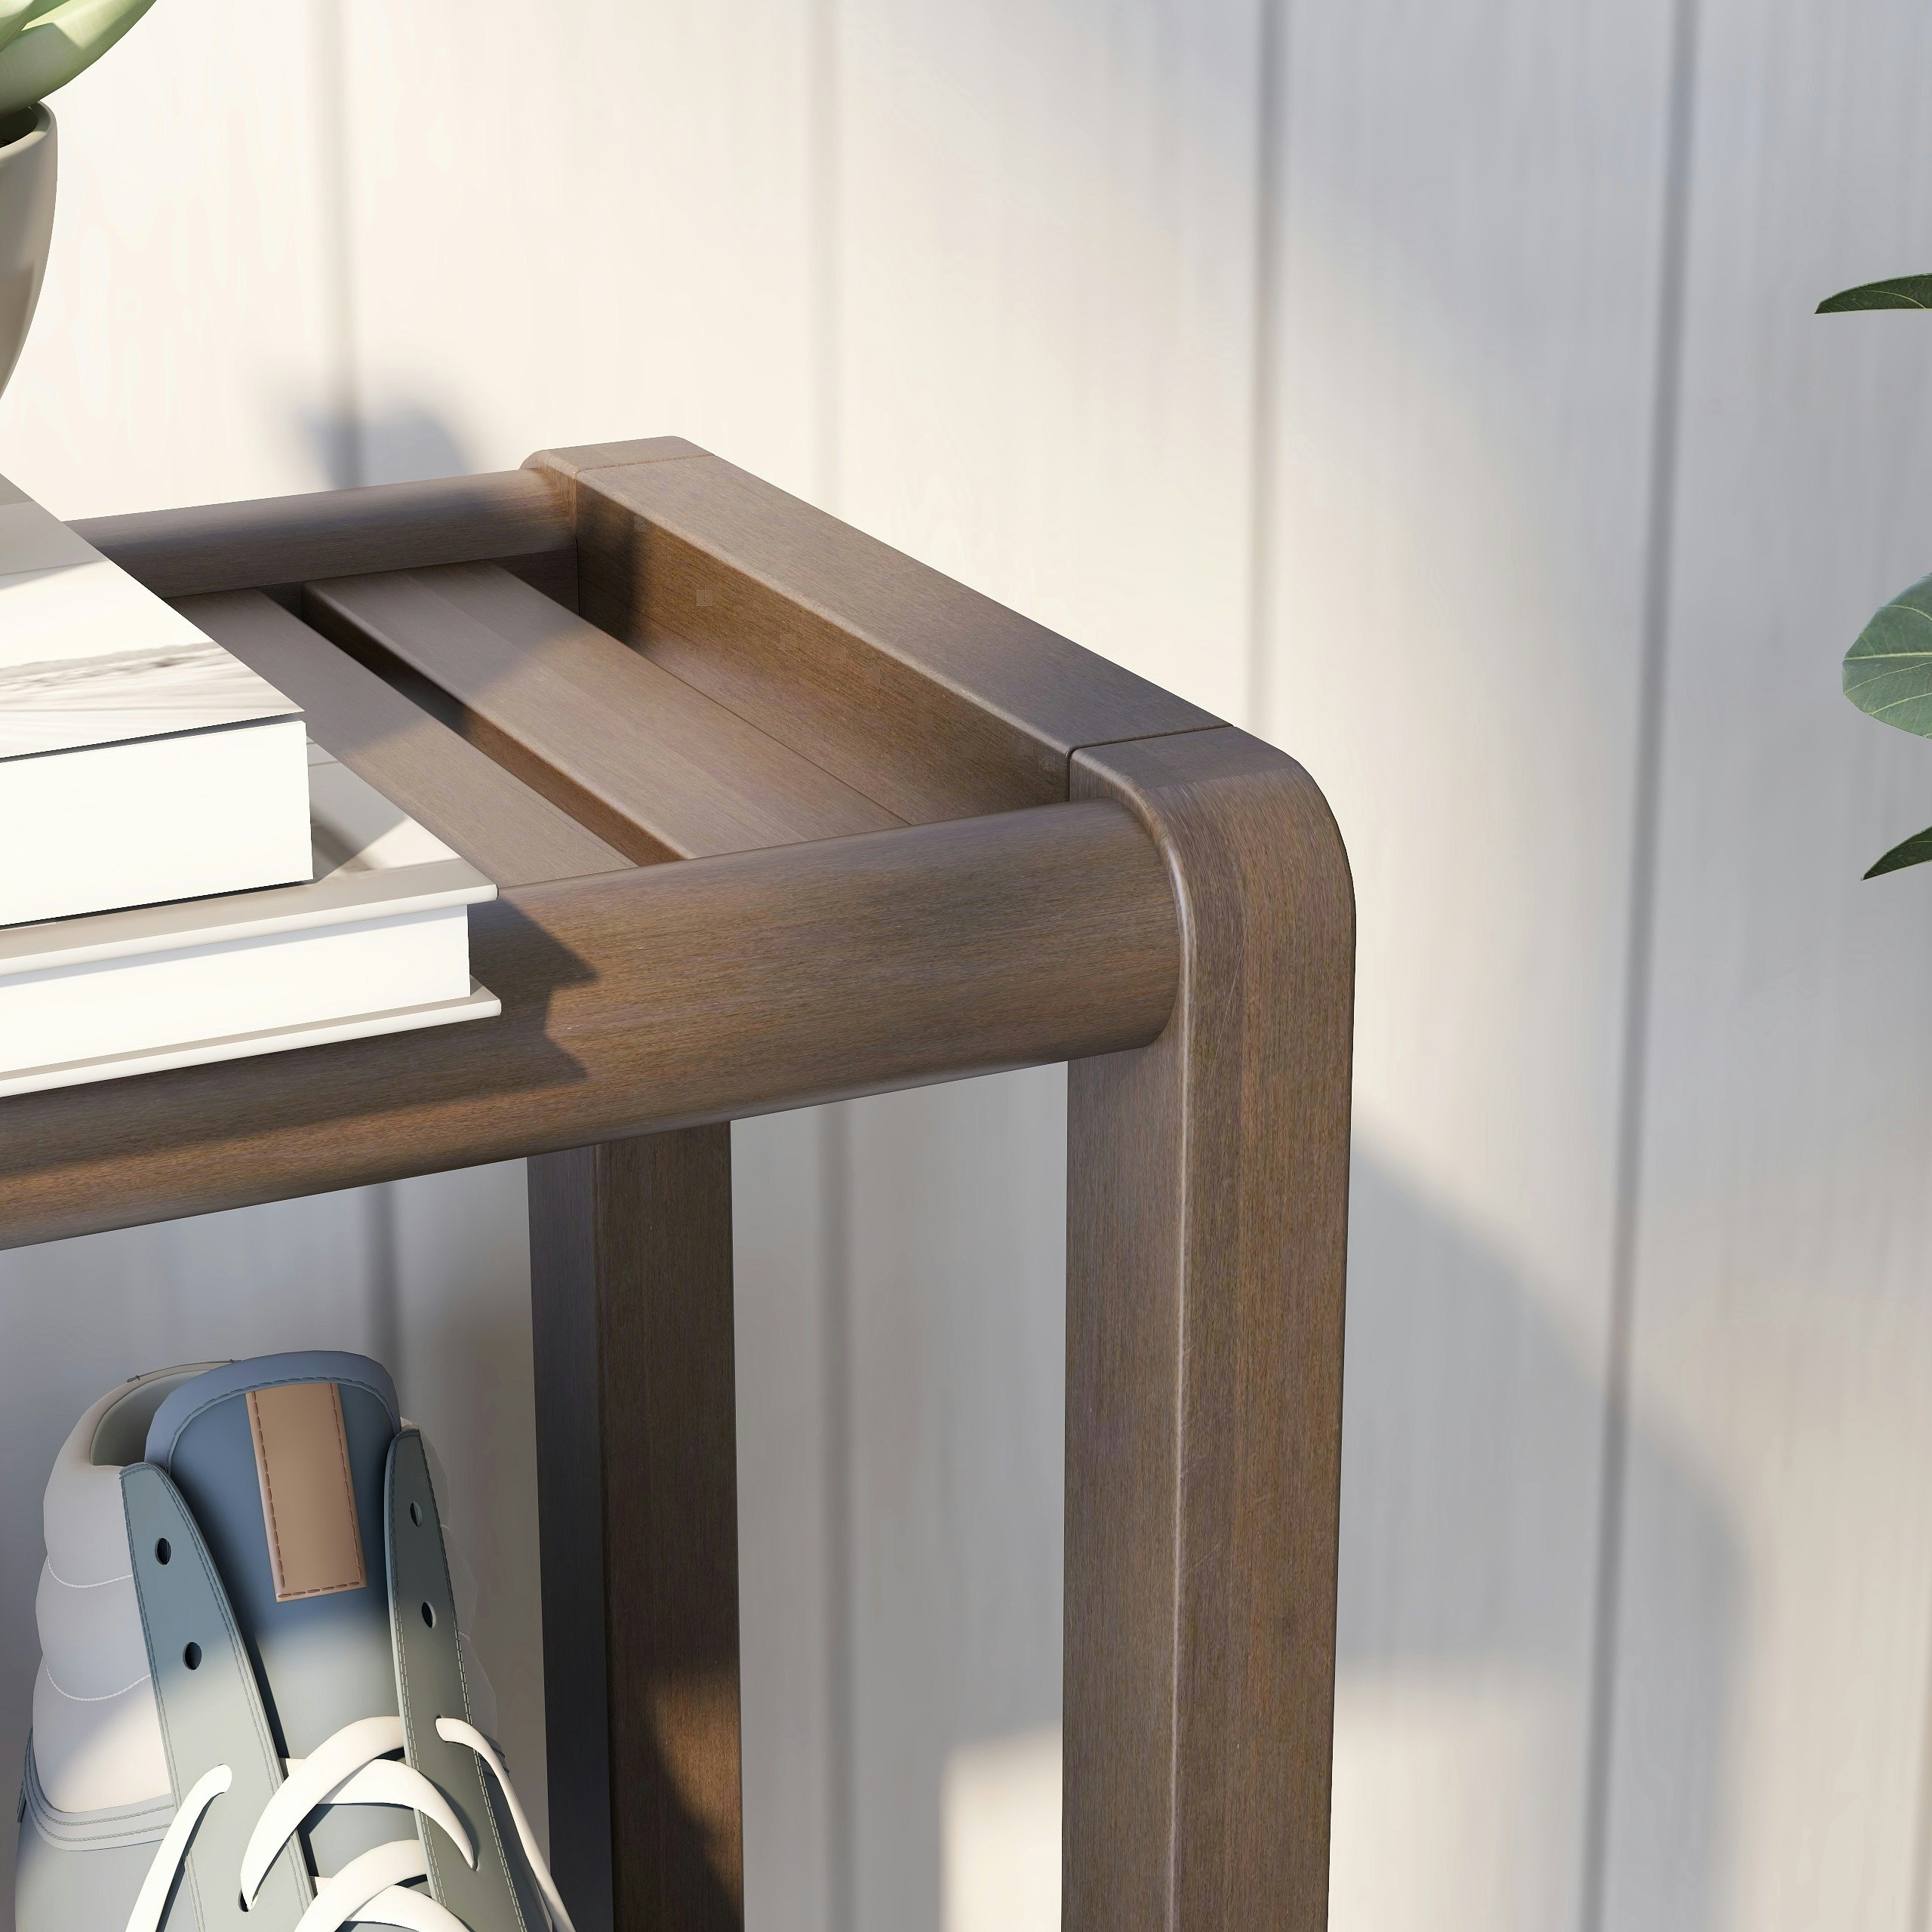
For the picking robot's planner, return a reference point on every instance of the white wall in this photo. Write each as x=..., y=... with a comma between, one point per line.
x=1430, y=386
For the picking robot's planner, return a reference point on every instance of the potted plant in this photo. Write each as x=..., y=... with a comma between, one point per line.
x=44, y=43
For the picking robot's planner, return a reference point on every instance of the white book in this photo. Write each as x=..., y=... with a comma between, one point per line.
x=377, y=942
x=139, y=761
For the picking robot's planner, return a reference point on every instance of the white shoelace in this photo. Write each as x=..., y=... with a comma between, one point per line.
x=352, y=1768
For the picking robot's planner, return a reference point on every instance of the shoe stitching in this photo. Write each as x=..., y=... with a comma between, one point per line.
x=126, y=1577
x=106, y=1697
x=194, y=1414
x=264, y=1468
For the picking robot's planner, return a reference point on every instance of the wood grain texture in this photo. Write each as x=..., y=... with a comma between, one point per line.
x=656, y=768
x=687, y=309
x=923, y=695
x=1206, y=1223
x=566, y=1366
x=571, y=463
x=631, y=1295
x=512, y=834
x=669, y=996
x=389, y=526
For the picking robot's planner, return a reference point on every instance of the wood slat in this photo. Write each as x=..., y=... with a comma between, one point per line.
x=667, y=996
x=656, y=768
x=511, y=514
x=917, y=692
x=497, y=822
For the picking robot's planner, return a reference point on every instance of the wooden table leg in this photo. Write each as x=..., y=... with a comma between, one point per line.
x=1207, y=1211
x=630, y=1246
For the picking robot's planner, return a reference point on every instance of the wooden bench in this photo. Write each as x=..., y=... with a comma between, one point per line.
x=781, y=817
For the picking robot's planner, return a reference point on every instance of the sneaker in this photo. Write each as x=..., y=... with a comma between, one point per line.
x=256, y=1706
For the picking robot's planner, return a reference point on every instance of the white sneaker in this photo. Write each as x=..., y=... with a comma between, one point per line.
x=257, y=1708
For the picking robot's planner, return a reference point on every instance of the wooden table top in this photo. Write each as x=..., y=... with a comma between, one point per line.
x=778, y=814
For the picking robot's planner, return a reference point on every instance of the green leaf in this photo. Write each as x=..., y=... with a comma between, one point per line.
x=1915, y=851
x=1905, y=291
x=14, y=14
x=1888, y=672
x=55, y=42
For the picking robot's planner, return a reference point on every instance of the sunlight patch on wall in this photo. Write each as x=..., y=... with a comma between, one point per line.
x=1002, y=1834
x=1444, y=1792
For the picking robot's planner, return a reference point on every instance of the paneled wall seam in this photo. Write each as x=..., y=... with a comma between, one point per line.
x=1641, y=936
x=345, y=433
x=827, y=256
x=1919, y=1898
x=1272, y=29
x=835, y=1178
x=825, y=85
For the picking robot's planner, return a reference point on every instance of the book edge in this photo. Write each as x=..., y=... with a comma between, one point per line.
x=479, y=1003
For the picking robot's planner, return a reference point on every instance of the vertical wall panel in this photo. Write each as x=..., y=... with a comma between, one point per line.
x=789, y=1333
x=1468, y=224
x=957, y=1406
x=573, y=224
x=1769, y=1739
x=182, y=346
x=985, y=279
x=1046, y=241
x=183, y=343
x=1044, y=238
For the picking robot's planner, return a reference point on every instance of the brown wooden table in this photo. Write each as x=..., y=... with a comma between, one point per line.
x=780, y=816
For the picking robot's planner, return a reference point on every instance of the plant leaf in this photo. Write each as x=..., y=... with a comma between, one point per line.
x=1905, y=291
x=1914, y=851
x=14, y=14
x=56, y=41
x=1888, y=671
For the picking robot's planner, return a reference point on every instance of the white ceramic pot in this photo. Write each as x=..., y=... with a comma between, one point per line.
x=26, y=225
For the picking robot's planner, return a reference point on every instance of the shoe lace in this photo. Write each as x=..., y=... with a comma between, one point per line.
x=353, y=1766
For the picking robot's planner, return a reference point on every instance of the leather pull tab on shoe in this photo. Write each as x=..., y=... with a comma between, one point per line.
x=308, y=1494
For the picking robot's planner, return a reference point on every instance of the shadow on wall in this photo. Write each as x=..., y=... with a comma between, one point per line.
x=404, y=444
x=1472, y=1437
x=1473, y=1428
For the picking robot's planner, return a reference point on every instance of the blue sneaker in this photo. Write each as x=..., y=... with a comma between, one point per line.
x=257, y=1710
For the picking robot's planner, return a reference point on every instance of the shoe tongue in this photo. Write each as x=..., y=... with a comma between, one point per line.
x=281, y=1460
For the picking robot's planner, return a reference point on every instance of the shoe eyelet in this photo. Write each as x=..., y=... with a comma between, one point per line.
x=191, y=1656
x=163, y=1551
x=429, y=1616
x=416, y=1514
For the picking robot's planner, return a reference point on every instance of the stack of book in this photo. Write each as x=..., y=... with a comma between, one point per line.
x=184, y=877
